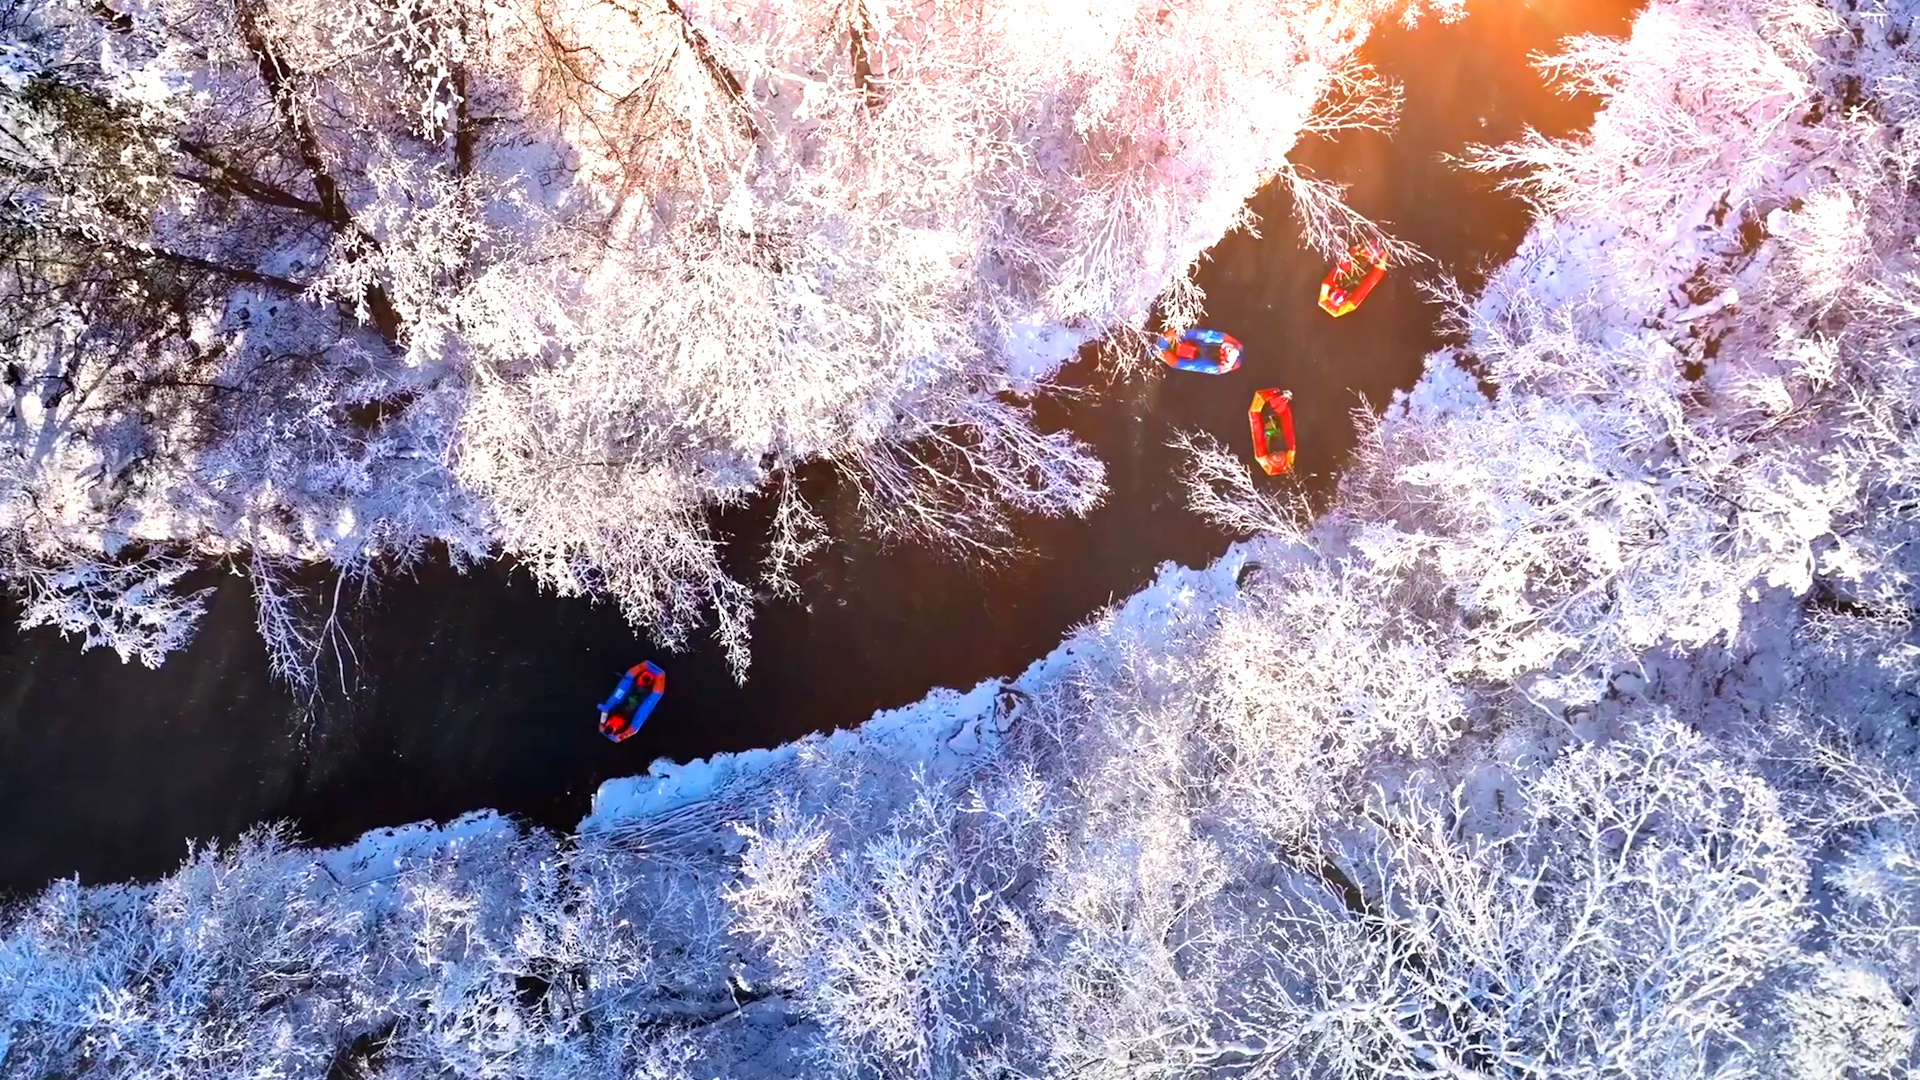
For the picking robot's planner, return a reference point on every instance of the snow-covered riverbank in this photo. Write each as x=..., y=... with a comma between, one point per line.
x=943, y=736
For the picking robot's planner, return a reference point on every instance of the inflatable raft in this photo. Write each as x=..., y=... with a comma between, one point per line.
x=1209, y=352
x=1271, y=419
x=633, y=700
x=1351, y=279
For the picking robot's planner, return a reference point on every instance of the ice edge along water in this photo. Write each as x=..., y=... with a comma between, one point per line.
x=940, y=735
x=942, y=732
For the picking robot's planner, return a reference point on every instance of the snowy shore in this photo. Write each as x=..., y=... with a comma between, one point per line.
x=941, y=736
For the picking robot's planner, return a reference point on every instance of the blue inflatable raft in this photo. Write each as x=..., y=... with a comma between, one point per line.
x=633, y=701
x=1209, y=352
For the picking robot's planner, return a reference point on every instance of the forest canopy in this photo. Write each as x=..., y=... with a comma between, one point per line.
x=299, y=285
x=1578, y=740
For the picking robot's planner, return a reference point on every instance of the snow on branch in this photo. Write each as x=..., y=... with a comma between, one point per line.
x=953, y=484
x=1357, y=98
x=130, y=606
x=1329, y=226
x=1221, y=488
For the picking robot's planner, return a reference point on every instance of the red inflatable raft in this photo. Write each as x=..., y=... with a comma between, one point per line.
x=1351, y=279
x=1271, y=419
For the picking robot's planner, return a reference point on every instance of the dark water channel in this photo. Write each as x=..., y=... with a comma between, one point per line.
x=478, y=691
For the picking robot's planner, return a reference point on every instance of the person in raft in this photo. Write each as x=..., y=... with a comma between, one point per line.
x=639, y=691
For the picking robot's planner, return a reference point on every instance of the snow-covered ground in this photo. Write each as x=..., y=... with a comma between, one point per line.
x=1577, y=740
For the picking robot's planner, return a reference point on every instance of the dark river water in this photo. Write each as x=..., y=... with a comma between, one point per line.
x=479, y=691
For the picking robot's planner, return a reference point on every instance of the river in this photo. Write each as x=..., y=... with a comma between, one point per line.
x=478, y=691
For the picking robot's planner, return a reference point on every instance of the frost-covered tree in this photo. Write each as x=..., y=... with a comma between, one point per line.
x=188, y=372
x=300, y=282
x=1575, y=741
x=1640, y=893
x=478, y=952
x=1704, y=382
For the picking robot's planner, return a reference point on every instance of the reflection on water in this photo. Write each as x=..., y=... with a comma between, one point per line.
x=479, y=691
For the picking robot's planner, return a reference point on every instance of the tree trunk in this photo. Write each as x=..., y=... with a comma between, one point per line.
x=222, y=176
x=333, y=206
x=862, y=62
x=728, y=83
x=465, y=146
